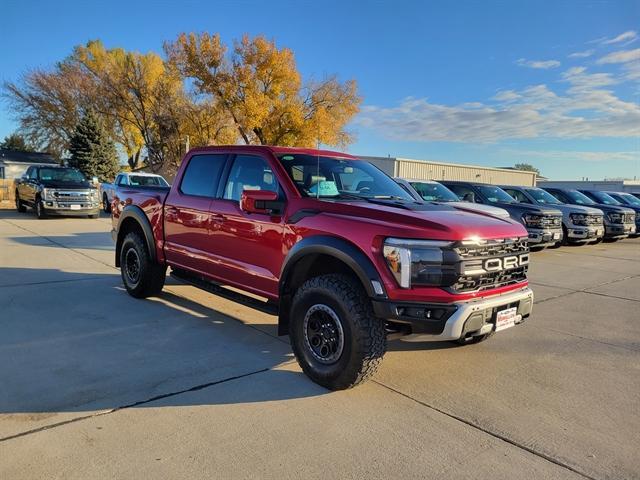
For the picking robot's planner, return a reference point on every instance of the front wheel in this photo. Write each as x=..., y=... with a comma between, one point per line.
x=335, y=336
x=142, y=277
x=40, y=211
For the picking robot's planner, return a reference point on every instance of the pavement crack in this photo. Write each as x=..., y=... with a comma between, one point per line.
x=495, y=435
x=133, y=404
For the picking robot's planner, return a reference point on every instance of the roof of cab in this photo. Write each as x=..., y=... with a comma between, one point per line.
x=274, y=149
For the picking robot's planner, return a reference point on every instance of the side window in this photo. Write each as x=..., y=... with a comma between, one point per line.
x=118, y=180
x=202, y=175
x=464, y=193
x=249, y=172
x=518, y=195
x=560, y=196
x=29, y=172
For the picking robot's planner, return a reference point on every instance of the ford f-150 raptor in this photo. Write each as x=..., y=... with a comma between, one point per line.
x=544, y=224
x=344, y=254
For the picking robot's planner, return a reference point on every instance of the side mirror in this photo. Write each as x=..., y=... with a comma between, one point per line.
x=260, y=201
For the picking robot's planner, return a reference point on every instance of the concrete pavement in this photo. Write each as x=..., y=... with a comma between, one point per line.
x=97, y=384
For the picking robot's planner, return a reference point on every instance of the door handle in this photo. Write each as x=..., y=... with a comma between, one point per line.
x=217, y=218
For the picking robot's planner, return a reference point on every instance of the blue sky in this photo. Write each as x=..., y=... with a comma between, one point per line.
x=552, y=83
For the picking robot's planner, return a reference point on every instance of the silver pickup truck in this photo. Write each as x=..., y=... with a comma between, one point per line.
x=129, y=179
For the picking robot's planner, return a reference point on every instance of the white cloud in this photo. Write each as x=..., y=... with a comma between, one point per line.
x=539, y=64
x=583, y=54
x=621, y=56
x=585, y=110
x=628, y=37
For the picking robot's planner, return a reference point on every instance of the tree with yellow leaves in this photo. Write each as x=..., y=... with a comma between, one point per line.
x=259, y=87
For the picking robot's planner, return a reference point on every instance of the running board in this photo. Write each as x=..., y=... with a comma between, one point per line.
x=216, y=289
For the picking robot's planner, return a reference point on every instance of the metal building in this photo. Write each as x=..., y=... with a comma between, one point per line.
x=429, y=170
x=629, y=186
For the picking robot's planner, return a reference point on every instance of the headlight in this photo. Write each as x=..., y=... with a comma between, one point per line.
x=418, y=262
x=578, y=219
x=47, y=193
x=532, y=220
x=615, y=217
x=94, y=194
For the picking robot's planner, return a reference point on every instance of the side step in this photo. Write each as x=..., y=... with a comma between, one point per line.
x=204, y=284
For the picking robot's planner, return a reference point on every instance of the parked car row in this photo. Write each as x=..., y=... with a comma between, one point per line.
x=552, y=216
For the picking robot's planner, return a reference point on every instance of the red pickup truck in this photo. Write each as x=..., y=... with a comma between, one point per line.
x=347, y=258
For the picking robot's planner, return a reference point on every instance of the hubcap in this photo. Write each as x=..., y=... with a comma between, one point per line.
x=132, y=266
x=323, y=334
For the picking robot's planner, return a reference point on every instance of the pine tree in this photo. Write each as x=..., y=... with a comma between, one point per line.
x=92, y=151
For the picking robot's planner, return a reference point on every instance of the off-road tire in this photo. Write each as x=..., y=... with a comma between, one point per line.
x=151, y=276
x=106, y=206
x=41, y=213
x=364, y=335
x=19, y=205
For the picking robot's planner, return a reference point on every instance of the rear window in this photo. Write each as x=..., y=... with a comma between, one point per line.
x=147, y=181
x=202, y=175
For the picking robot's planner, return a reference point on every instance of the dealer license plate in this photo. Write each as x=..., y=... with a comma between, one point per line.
x=599, y=232
x=556, y=236
x=75, y=207
x=506, y=318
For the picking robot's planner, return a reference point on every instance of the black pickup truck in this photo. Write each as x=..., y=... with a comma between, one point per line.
x=57, y=191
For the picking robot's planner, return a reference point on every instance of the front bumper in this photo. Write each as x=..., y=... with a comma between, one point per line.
x=459, y=319
x=54, y=208
x=544, y=236
x=619, y=230
x=580, y=233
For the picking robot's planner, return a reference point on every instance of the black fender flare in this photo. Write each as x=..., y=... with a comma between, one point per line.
x=336, y=247
x=136, y=213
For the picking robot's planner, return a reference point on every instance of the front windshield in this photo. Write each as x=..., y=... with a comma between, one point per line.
x=579, y=198
x=543, y=197
x=605, y=198
x=495, y=194
x=147, y=181
x=434, y=192
x=340, y=178
x=630, y=199
x=68, y=175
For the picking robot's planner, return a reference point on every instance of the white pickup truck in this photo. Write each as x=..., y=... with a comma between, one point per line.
x=133, y=179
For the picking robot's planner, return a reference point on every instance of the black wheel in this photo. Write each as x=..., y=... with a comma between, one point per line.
x=40, y=210
x=140, y=275
x=474, y=340
x=335, y=337
x=19, y=205
x=106, y=206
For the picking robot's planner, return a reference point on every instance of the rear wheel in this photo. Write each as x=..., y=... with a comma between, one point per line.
x=106, y=206
x=142, y=277
x=19, y=205
x=335, y=336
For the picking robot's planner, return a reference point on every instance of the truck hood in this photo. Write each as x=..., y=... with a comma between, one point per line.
x=568, y=208
x=69, y=185
x=442, y=222
x=524, y=208
x=613, y=208
x=480, y=208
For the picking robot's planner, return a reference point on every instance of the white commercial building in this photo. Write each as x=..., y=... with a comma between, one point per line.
x=629, y=186
x=430, y=170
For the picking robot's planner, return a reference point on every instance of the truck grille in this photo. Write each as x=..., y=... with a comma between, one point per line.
x=594, y=219
x=551, y=221
x=72, y=196
x=508, y=260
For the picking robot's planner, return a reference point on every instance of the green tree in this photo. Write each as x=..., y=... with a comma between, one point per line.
x=526, y=167
x=92, y=151
x=16, y=142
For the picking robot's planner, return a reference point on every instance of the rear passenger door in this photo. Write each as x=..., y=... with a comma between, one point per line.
x=187, y=215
